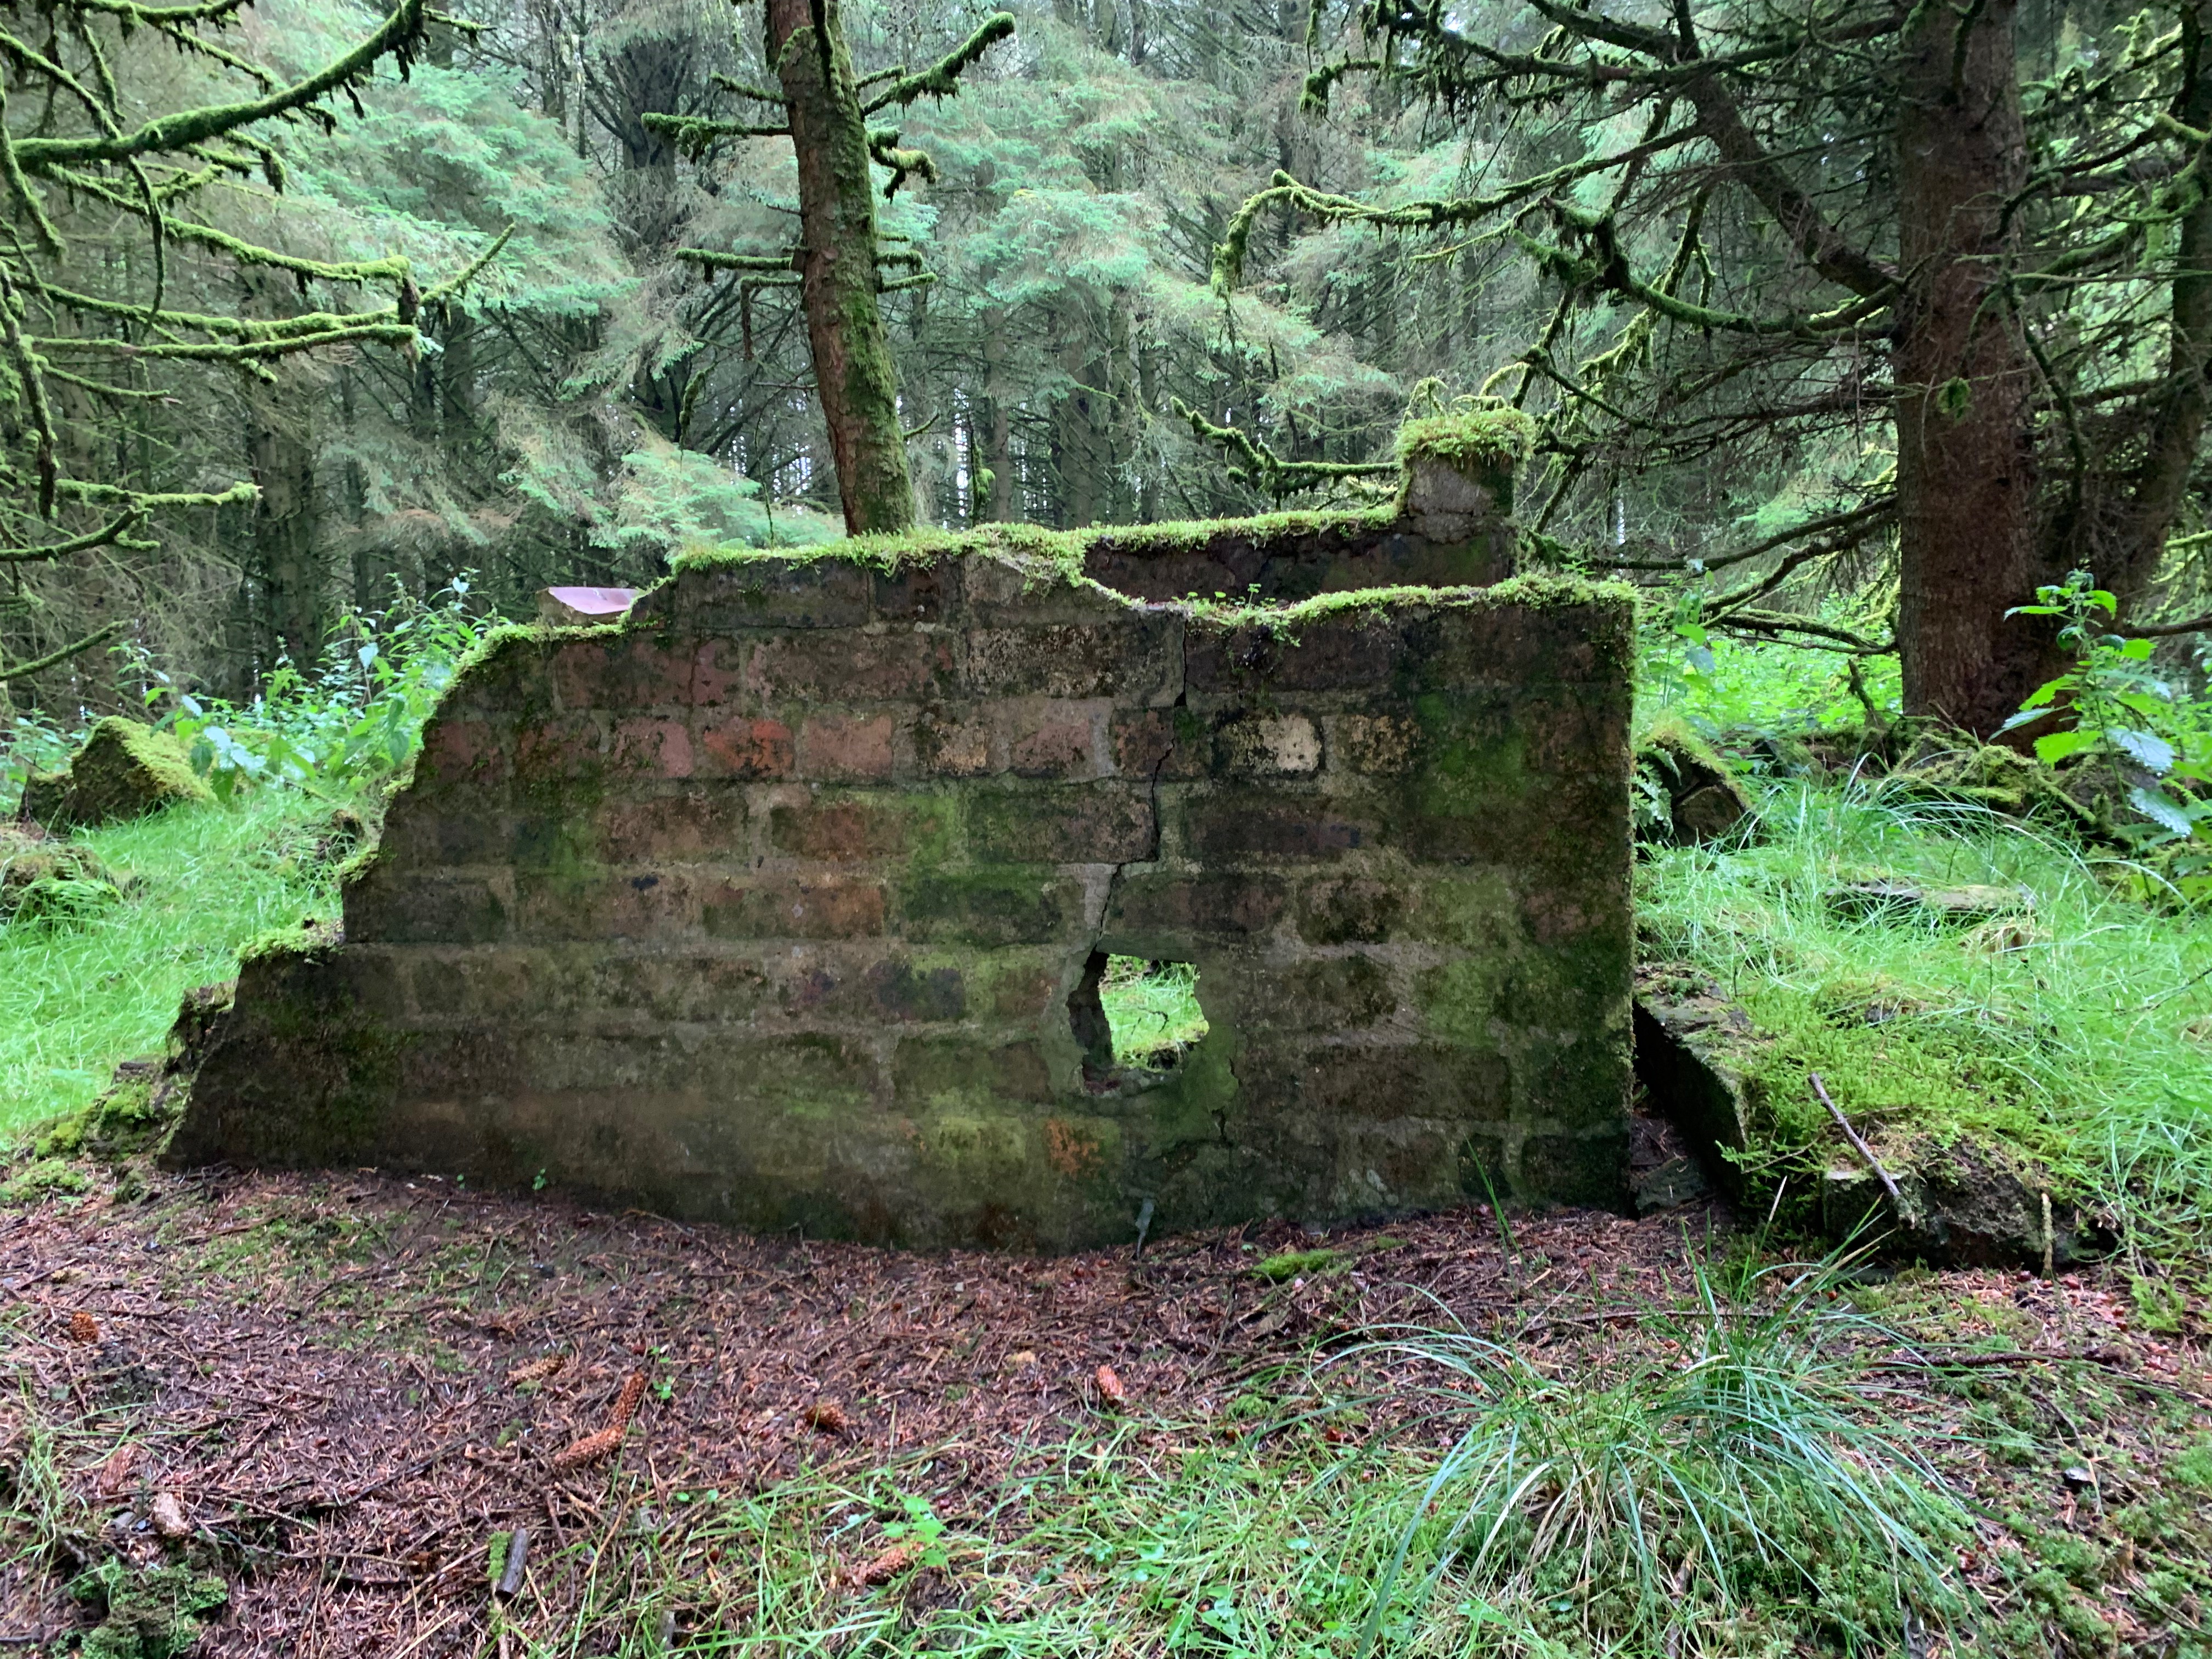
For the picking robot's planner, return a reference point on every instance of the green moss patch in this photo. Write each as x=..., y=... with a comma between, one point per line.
x=146, y=1613
x=125, y=770
x=1482, y=439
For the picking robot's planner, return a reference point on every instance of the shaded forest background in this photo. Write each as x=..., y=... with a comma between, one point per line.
x=590, y=404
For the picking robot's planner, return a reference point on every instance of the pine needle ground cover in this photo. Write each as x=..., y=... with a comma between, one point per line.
x=329, y=1408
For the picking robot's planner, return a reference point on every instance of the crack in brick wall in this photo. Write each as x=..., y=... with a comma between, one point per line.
x=768, y=907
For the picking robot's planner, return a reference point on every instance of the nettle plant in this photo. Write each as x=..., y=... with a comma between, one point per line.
x=2154, y=735
x=352, y=722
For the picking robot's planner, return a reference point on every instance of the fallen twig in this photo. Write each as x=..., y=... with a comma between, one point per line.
x=1888, y=1183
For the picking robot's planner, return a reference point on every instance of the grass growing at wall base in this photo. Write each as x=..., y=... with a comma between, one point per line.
x=199, y=882
x=1729, y=1491
x=2077, y=1029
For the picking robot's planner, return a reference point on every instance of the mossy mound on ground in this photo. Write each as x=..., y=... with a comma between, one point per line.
x=50, y=881
x=1951, y=768
x=1686, y=793
x=139, y=1109
x=125, y=770
x=1972, y=1187
x=149, y=1613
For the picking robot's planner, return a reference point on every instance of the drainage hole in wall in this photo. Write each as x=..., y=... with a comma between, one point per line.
x=1135, y=1018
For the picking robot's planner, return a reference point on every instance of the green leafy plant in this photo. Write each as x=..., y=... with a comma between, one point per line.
x=922, y=1532
x=353, y=722
x=2126, y=713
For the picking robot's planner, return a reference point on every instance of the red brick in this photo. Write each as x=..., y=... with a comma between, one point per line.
x=558, y=749
x=1354, y=649
x=703, y=822
x=747, y=748
x=660, y=747
x=777, y=592
x=1135, y=661
x=823, y=907
x=1245, y=824
x=461, y=752
x=624, y=671
x=1167, y=743
x=848, y=746
x=1383, y=745
x=916, y=592
x=842, y=831
x=1053, y=741
x=742, y=746
x=1079, y=823
x=717, y=673
x=952, y=746
x=1268, y=745
x=845, y=666
x=652, y=904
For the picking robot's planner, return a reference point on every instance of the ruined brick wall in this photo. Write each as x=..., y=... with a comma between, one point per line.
x=782, y=905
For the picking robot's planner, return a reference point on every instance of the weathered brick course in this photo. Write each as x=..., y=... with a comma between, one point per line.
x=769, y=905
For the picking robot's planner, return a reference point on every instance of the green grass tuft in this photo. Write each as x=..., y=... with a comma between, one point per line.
x=1151, y=1009
x=197, y=883
x=2077, y=1031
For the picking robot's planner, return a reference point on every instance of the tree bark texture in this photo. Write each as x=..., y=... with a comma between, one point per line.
x=1966, y=475
x=285, y=555
x=837, y=268
x=2122, y=543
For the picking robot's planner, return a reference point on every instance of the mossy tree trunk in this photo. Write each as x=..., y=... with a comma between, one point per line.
x=845, y=330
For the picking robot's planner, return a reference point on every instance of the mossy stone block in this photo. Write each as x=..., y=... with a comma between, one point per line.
x=125, y=770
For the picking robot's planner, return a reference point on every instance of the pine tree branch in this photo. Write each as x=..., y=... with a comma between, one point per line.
x=764, y=262
x=242, y=351
x=1269, y=471
x=942, y=78
x=1434, y=213
x=694, y=133
x=1851, y=517
x=113, y=530
x=394, y=268
x=394, y=37
x=1777, y=624
x=22, y=670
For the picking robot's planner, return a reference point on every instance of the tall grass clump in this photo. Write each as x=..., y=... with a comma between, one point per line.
x=1723, y=1488
x=1734, y=1491
x=2077, y=1027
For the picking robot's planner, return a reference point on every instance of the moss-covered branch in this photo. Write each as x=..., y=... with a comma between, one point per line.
x=942, y=78
x=694, y=135
x=114, y=531
x=22, y=670
x=1263, y=469
x=1429, y=214
x=763, y=262
x=395, y=37
x=394, y=268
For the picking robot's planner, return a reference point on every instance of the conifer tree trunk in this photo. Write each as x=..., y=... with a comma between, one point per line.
x=285, y=555
x=845, y=329
x=1966, y=476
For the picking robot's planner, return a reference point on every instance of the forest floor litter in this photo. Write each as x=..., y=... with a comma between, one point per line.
x=348, y=1398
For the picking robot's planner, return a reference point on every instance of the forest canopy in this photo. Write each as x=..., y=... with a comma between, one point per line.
x=1853, y=326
